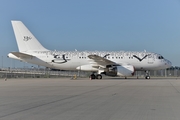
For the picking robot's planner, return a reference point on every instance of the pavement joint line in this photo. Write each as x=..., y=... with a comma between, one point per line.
x=174, y=87
x=13, y=113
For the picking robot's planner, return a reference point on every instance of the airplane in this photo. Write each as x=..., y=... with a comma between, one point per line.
x=110, y=63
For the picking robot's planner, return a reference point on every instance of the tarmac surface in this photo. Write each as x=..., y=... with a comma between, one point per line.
x=84, y=99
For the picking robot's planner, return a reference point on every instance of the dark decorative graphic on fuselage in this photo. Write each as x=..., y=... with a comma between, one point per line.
x=140, y=59
x=60, y=60
x=106, y=55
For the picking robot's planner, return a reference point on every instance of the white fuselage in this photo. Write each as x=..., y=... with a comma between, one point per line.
x=73, y=60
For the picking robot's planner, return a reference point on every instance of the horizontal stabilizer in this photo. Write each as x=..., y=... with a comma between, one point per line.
x=22, y=55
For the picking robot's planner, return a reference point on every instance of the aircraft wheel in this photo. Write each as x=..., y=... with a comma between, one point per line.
x=98, y=76
x=92, y=76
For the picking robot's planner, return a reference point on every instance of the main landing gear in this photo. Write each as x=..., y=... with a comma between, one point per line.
x=93, y=76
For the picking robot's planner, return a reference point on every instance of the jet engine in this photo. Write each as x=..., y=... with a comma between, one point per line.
x=123, y=70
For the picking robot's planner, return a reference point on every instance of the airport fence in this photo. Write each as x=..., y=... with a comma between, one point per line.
x=39, y=73
x=159, y=73
x=46, y=73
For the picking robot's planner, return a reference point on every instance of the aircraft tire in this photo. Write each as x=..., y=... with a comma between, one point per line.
x=98, y=76
x=92, y=76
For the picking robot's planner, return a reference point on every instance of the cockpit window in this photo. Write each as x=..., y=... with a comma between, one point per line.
x=160, y=57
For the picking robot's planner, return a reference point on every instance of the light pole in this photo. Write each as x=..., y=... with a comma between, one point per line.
x=2, y=61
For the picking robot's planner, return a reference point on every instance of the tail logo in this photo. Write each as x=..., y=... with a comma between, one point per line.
x=26, y=38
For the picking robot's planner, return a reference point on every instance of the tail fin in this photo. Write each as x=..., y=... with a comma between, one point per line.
x=25, y=39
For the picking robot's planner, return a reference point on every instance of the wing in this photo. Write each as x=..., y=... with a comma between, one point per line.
x=21, y=55
x=101, y=61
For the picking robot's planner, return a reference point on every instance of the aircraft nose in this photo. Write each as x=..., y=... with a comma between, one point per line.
x=168, y=64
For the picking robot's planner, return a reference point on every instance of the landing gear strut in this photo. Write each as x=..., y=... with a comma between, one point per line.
x=93, y=76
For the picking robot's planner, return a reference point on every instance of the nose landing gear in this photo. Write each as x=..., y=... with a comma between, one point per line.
x=147, y=76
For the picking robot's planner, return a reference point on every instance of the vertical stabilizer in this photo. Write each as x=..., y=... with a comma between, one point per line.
x=25, y=39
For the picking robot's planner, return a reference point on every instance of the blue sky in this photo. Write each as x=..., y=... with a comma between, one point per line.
x=129, y=25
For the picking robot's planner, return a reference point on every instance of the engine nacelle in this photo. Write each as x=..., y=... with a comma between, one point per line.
x=87, y=68
x=124, y=70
